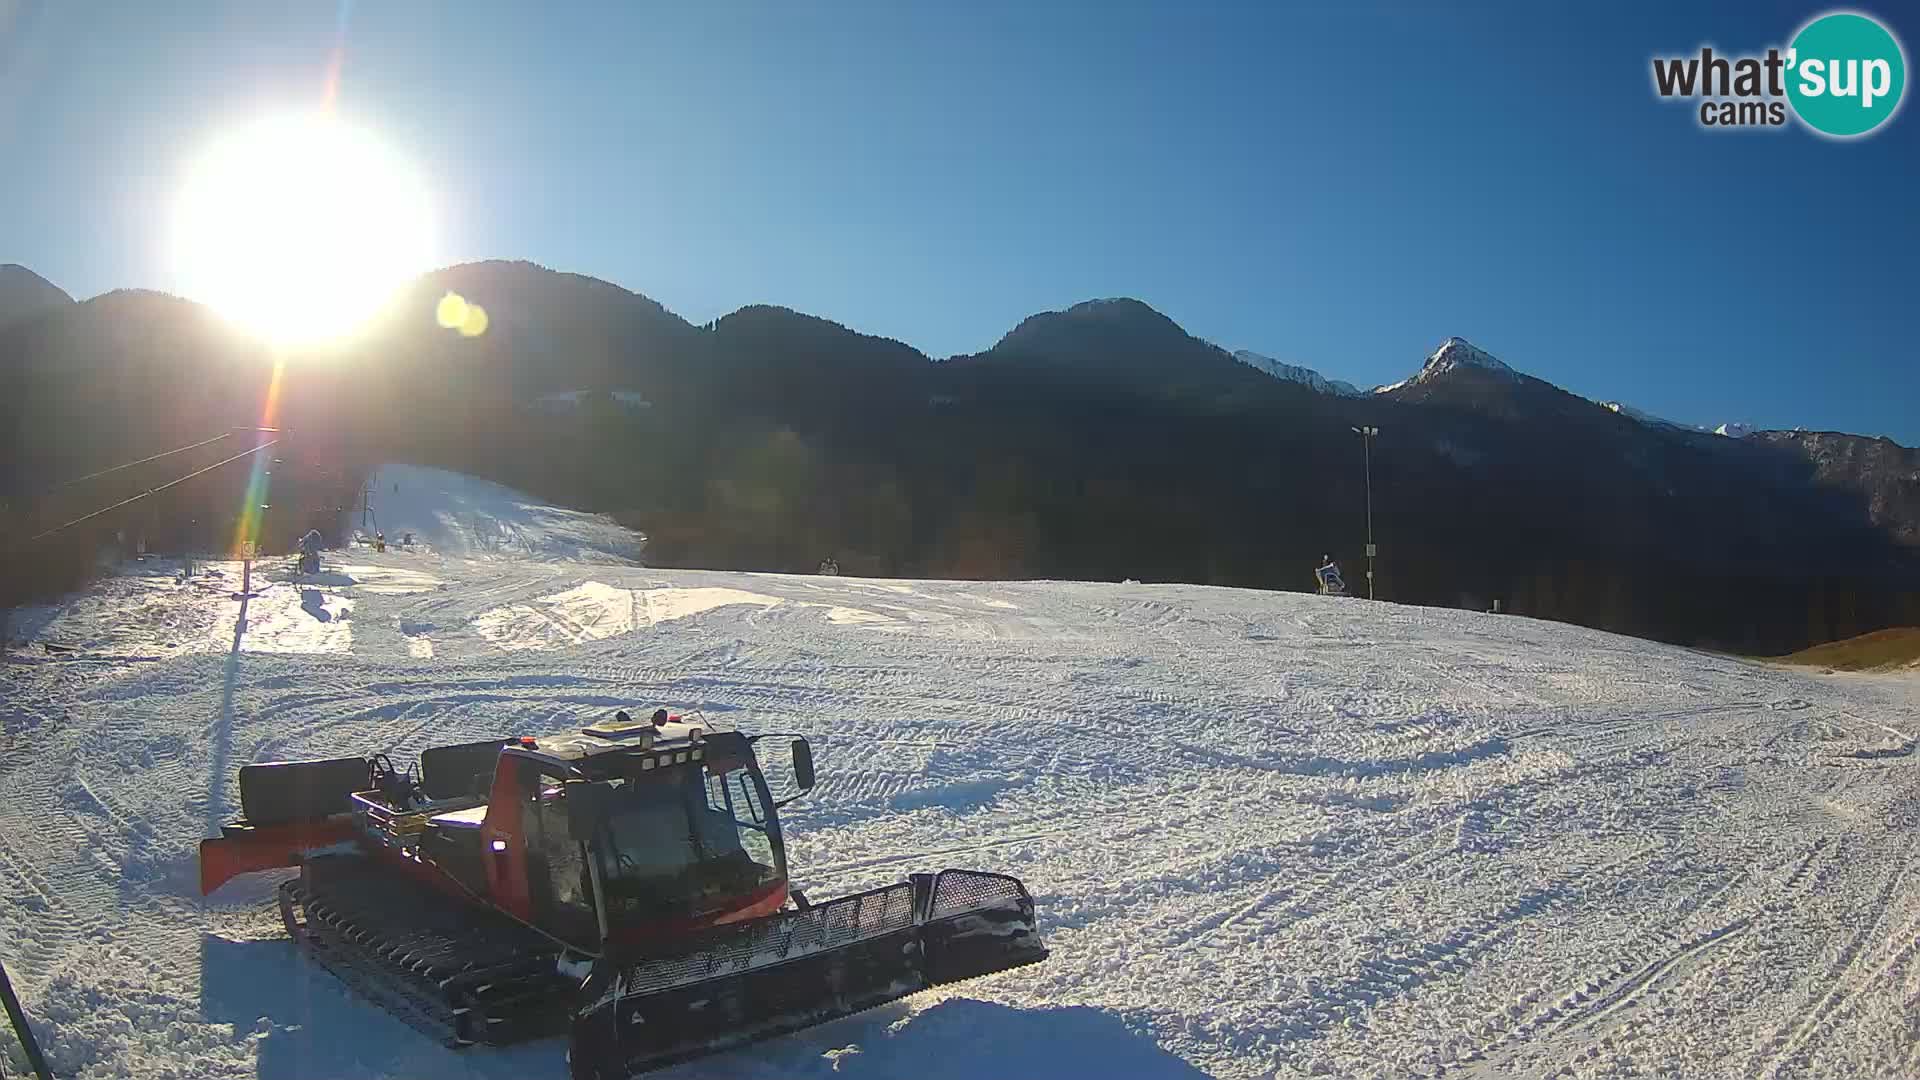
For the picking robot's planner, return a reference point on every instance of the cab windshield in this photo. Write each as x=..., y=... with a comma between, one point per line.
x=684, y=843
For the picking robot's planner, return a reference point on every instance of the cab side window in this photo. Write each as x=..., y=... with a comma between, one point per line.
x=746, y=801
x=734, y=802
x=559, y=872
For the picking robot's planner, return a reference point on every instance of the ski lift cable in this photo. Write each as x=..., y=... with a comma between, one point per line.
x=142, y=461
x=150, y=491
x=227, y=434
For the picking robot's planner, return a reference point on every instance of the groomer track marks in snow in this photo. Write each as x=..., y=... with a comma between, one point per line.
x=1270, y=834
x=1851, y=974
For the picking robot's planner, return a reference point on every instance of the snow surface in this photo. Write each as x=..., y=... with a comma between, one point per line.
x=459, y=515
x=1269, y=834
x=1294, y=373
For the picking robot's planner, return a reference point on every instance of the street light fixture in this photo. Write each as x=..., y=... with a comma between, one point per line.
x=1366, y=437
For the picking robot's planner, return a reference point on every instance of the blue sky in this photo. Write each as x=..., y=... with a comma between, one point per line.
x=1341, y=187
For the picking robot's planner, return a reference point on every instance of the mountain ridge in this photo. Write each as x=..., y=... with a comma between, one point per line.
x=1453, y=353
x=1102, y=441
x=24, y=294
x=1305, y=376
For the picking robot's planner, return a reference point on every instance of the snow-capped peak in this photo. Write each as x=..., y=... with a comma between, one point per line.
x=1458, y=352
x=1730, y=430
x=1644, y=417
x=1294, y=373
x=1453, y=353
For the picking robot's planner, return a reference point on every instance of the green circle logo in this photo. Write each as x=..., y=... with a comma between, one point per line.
x=1845, y=74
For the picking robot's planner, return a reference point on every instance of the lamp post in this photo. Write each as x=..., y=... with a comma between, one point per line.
x=1366, y=439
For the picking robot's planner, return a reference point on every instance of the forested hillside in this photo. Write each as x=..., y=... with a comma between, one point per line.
x=1101, y=442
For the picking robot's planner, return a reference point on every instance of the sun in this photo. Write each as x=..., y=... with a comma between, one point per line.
x=297, y=227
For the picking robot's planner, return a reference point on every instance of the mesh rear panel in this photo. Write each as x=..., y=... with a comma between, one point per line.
x=780, y=937
x=956, y=892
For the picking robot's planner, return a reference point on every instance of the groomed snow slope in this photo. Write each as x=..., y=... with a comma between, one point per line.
x=453, y=514
x=1269, y=834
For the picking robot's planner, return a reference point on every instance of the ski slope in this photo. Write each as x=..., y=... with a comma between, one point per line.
x=1269, y=834
x=451, y=514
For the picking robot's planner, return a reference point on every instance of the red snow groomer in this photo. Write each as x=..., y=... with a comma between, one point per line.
x=627, y=884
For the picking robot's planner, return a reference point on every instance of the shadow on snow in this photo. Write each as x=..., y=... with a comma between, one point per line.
x=311, y=1027
x=955, y=1039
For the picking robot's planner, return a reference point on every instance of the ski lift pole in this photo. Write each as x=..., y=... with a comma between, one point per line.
x=19, y=1019
x=1366, y=436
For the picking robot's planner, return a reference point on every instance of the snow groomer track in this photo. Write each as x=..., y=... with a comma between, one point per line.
x=1267, y=834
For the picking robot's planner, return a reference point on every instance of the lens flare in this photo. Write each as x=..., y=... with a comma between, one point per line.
x=456, y=312
x=451, y=311
x=247, y=532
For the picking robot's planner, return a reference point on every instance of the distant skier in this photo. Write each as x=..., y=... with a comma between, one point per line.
x=379, y=541
x=1328, y=576
x=310, y=546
